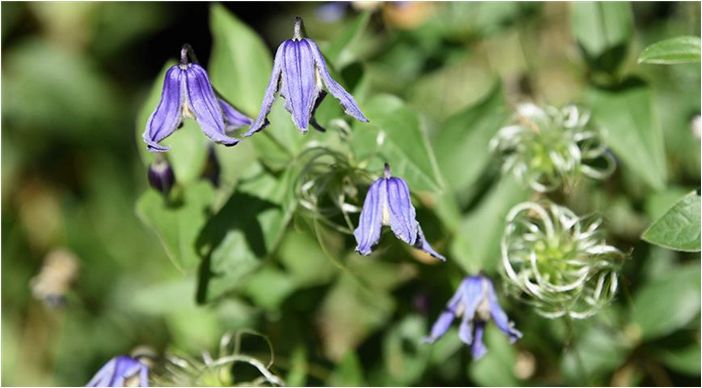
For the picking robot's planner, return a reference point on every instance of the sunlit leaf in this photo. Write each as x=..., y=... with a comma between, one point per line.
x=177, y=223
x=395, y=136
x=679, y=227
x=243, y=232
x=461, y=144
x=682, y=49
x=630, y=127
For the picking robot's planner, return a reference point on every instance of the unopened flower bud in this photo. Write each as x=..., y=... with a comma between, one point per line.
x=161, y=176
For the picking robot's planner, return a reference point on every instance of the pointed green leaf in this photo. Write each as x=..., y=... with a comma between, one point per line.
x=629, y=126
x=682, y=49
x=679, y=227
x=240, y=64
x=338, y=51
x=178, y=223
x=245, y=231
x=461, y=144
x=395, y=136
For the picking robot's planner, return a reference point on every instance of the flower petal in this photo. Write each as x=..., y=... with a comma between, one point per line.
x=371, y=220
x=422, y=244
x=333, y=87
x=167, y=116
x=500, y=317
x=472, y=289
x=478, y=348
x=233, y=119
x=402, y=214
x=269, y=97
x=299, y=83
x=441, y=326
x=205, y=107
x=447, y=316
x=144, y=376
x=103, y=377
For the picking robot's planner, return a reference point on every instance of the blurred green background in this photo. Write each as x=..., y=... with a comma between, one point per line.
x=76, y=75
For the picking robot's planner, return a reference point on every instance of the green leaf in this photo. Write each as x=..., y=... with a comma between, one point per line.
x=477, y=243
x=496, y=367
x=349, y=314
x=679, y=227
x=462, y=143
x=628, y=124
x=338, y=51
x=395, y=136
x=269, y=287
x=240, y=64
x=599, y=350
x=178, y=223
x=298, y=253
x=188, y=144
x=668, y=303
x=603, y=31
x=682, y=49
x=243, y=232
x=348, y=372
x=685, y=360
x=406, y=356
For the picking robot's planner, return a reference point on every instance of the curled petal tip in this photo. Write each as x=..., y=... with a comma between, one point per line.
x=155, y=147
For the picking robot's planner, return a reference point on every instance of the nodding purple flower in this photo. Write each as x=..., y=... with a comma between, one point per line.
x=121, y=371
x=299, y=72
x=187, y=92
x=388, y=203
x=476, y=301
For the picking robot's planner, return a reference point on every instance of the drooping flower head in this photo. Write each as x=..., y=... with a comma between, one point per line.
x=299, y=73
x=121, y=371
x=559, y=262
x=187, y=92
x=388, y=203
x=547, y=147
x=476, y=303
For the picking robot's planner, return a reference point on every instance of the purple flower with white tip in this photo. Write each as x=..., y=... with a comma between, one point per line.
x=187, y=92
x=121, y=371
x=476, y=302
x=388, y=203
x=299, y=73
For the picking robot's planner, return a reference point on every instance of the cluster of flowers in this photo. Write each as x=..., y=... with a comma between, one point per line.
x=559, y=262
x=299, y=75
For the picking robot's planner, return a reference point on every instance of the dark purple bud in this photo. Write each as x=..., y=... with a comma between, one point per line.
x=161, y=176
